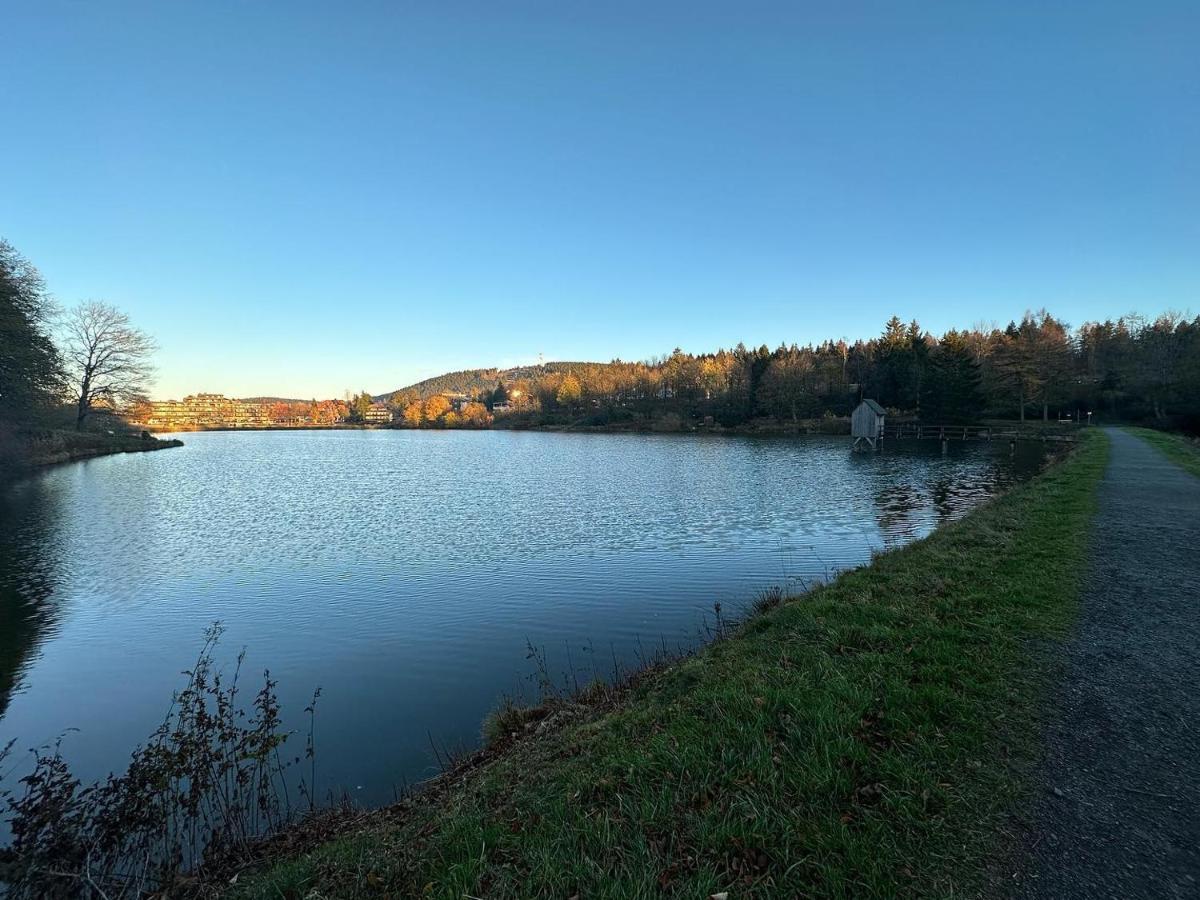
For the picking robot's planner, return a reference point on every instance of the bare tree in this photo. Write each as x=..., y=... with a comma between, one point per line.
x=108, y=360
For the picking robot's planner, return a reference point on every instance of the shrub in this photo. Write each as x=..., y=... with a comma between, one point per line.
x=209, y=781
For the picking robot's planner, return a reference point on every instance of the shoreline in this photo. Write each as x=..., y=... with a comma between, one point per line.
x=837, y=427
x=43, y=449
x=816, y=697
x=200, y=428
x=82, y=454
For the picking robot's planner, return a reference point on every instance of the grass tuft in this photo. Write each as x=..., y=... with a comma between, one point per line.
x=509, y=719
x=767, y=600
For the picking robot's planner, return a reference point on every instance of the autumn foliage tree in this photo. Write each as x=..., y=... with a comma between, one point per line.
x=569, y=393
x=434, y=408
x=475, y=415
x=413, y=415
x=328, y=412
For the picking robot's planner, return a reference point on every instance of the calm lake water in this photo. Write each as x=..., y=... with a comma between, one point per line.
x=404, y=572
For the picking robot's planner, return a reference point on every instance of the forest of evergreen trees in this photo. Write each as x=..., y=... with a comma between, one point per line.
x=1131, y=369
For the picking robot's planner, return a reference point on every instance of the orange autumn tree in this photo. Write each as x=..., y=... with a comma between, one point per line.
x=435, y=408
x=327, y=412
x=475, y=415
x=412, y=415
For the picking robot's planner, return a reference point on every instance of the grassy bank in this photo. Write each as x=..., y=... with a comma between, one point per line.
x=865, y=739
x=51, y=447
x=28, y=449
x=1175, y=447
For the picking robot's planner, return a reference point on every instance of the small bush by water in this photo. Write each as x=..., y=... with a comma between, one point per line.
x=209, y=782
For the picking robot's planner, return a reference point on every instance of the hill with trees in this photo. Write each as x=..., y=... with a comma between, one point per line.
x=1130, y=369
x=474, y=381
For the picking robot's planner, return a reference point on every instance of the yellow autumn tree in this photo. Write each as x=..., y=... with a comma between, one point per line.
x=412, y=415
x=475, y=415
x=569, y=392
x=434, y=408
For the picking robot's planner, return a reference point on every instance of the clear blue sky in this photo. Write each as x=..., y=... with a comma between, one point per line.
x=302, y=197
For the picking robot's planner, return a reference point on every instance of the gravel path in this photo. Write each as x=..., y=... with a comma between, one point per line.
x=1118, y=807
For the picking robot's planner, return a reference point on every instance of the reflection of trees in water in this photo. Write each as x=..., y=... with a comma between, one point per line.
x=956, y=491
x=29, y=517
x=942, y=492
x=961, y=488
x=918, y=487
x=899, y=510
x=898, y=500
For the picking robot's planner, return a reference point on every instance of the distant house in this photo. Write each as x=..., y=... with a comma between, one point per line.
x=377, y=414
x=458, y=401
x=866, y=423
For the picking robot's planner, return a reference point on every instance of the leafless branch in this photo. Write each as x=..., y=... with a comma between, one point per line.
x=108, y=358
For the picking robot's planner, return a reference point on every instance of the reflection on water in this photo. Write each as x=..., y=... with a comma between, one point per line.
x=28, y=559
x=404, y=572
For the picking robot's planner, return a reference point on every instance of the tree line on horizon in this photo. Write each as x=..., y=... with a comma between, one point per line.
x=64, y=369
x=1131, y=369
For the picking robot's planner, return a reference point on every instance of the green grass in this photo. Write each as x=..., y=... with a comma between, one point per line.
x=1175, y=447
x=867, y=739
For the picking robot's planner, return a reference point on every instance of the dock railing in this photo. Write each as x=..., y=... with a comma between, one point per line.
x=920, y=431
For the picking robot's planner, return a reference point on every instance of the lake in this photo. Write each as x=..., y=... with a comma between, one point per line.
x=406, y=572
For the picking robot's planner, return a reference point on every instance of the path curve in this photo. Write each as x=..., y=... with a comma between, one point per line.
x=1117, y=812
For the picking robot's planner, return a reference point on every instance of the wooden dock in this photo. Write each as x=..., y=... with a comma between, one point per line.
x=917, y=431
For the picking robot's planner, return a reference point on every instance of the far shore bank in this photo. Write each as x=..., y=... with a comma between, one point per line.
x=199, y=428
x=832, y=426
